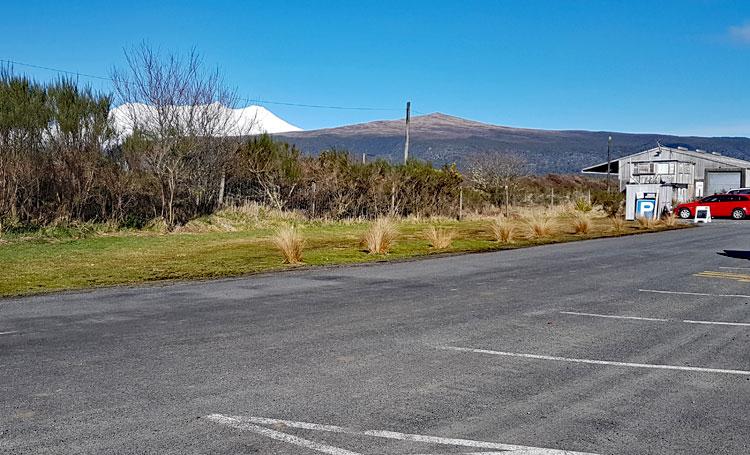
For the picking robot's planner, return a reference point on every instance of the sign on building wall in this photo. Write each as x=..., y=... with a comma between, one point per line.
x=646, y=207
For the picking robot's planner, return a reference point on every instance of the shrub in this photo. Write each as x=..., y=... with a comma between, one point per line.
x=158, y=225
x=582, y=205
x=380, y=236
x=440, y=239
x=290, y=243
x=503, y=230
x=540, y=226
x=611, y=202
x=581, y=224
x=618, y=224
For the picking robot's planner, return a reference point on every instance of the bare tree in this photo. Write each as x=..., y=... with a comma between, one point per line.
x=179, y=115
x=490, y=172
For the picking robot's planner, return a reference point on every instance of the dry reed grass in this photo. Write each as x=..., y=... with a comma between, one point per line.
x=380, y=236
x=290, y=243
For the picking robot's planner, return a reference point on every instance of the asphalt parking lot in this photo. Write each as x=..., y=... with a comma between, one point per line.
x=628, y=345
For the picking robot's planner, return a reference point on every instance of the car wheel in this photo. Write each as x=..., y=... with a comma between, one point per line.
x=738, y=214
x=685, y=214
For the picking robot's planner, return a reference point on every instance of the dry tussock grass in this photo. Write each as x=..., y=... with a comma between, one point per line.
x=503, y=230
x=540, y=225
x=618, y=224
x=380, y=236
x=439, y=238
x=669, y=220
x=290, y=243
x=646, y=223
x=582, y=224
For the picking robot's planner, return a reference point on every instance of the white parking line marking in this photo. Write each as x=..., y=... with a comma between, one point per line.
x=695, y=293
x=595, y=362
x=253, y=422
x=279, y=436
x=614, y=316
x=686, y=321
x=8, y=333
x=474, y=453
x=741, y=324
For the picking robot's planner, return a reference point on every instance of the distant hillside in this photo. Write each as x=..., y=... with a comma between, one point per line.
x=442, y=139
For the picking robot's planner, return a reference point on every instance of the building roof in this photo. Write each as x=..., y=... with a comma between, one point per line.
x=601, y=168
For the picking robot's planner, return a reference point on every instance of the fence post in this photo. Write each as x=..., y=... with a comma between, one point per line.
x=313, y=199
x=460, y=203
x=507, y=200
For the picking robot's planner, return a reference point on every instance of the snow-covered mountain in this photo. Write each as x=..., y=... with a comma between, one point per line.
x=244, y=121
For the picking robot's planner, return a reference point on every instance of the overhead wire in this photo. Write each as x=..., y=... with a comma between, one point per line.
x=249, y=100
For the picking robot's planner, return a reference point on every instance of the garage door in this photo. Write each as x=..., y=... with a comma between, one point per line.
x=721, y=182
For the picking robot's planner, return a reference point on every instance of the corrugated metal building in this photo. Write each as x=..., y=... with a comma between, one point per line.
x=691, y=173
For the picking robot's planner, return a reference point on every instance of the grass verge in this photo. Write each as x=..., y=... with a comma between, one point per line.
x=40, y=266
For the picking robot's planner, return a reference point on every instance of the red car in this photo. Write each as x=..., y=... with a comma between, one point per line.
x=736, y=206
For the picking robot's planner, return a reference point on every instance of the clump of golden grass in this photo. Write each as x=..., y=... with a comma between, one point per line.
x=646, y=222
x=582, y=224
x=540, y=225
x=618, y=224
x=380, y=236
x=669, y=220
x=290, y=243
x=503, y=230
x=439, y=238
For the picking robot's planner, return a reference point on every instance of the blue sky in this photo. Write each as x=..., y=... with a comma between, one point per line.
x=641, y=66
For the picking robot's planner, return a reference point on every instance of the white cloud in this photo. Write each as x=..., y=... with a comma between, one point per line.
x=740, y=33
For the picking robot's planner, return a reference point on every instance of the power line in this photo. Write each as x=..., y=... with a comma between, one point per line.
x=319, y=106
x=249, y=100
x=57, y=70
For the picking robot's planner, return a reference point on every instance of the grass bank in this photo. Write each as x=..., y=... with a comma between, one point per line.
x=211, y=249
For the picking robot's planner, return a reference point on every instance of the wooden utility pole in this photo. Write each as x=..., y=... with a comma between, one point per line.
x=609, y=161
x=408, y=121
x=507, y=197
x=460, y=203
x=314, y=188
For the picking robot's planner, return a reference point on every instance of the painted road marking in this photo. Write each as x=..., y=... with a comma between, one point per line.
x=8, y=333
x=473, y=453
x=741, y=277
x=279, y=436
x=735, y=268
x=700, y=294
x=686, y=321
x=595, y=362
x=253, y=424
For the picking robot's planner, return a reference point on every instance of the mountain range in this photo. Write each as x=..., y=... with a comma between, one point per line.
x=442, y=138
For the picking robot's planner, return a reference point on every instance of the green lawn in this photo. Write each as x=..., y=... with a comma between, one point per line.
x=44, y=265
